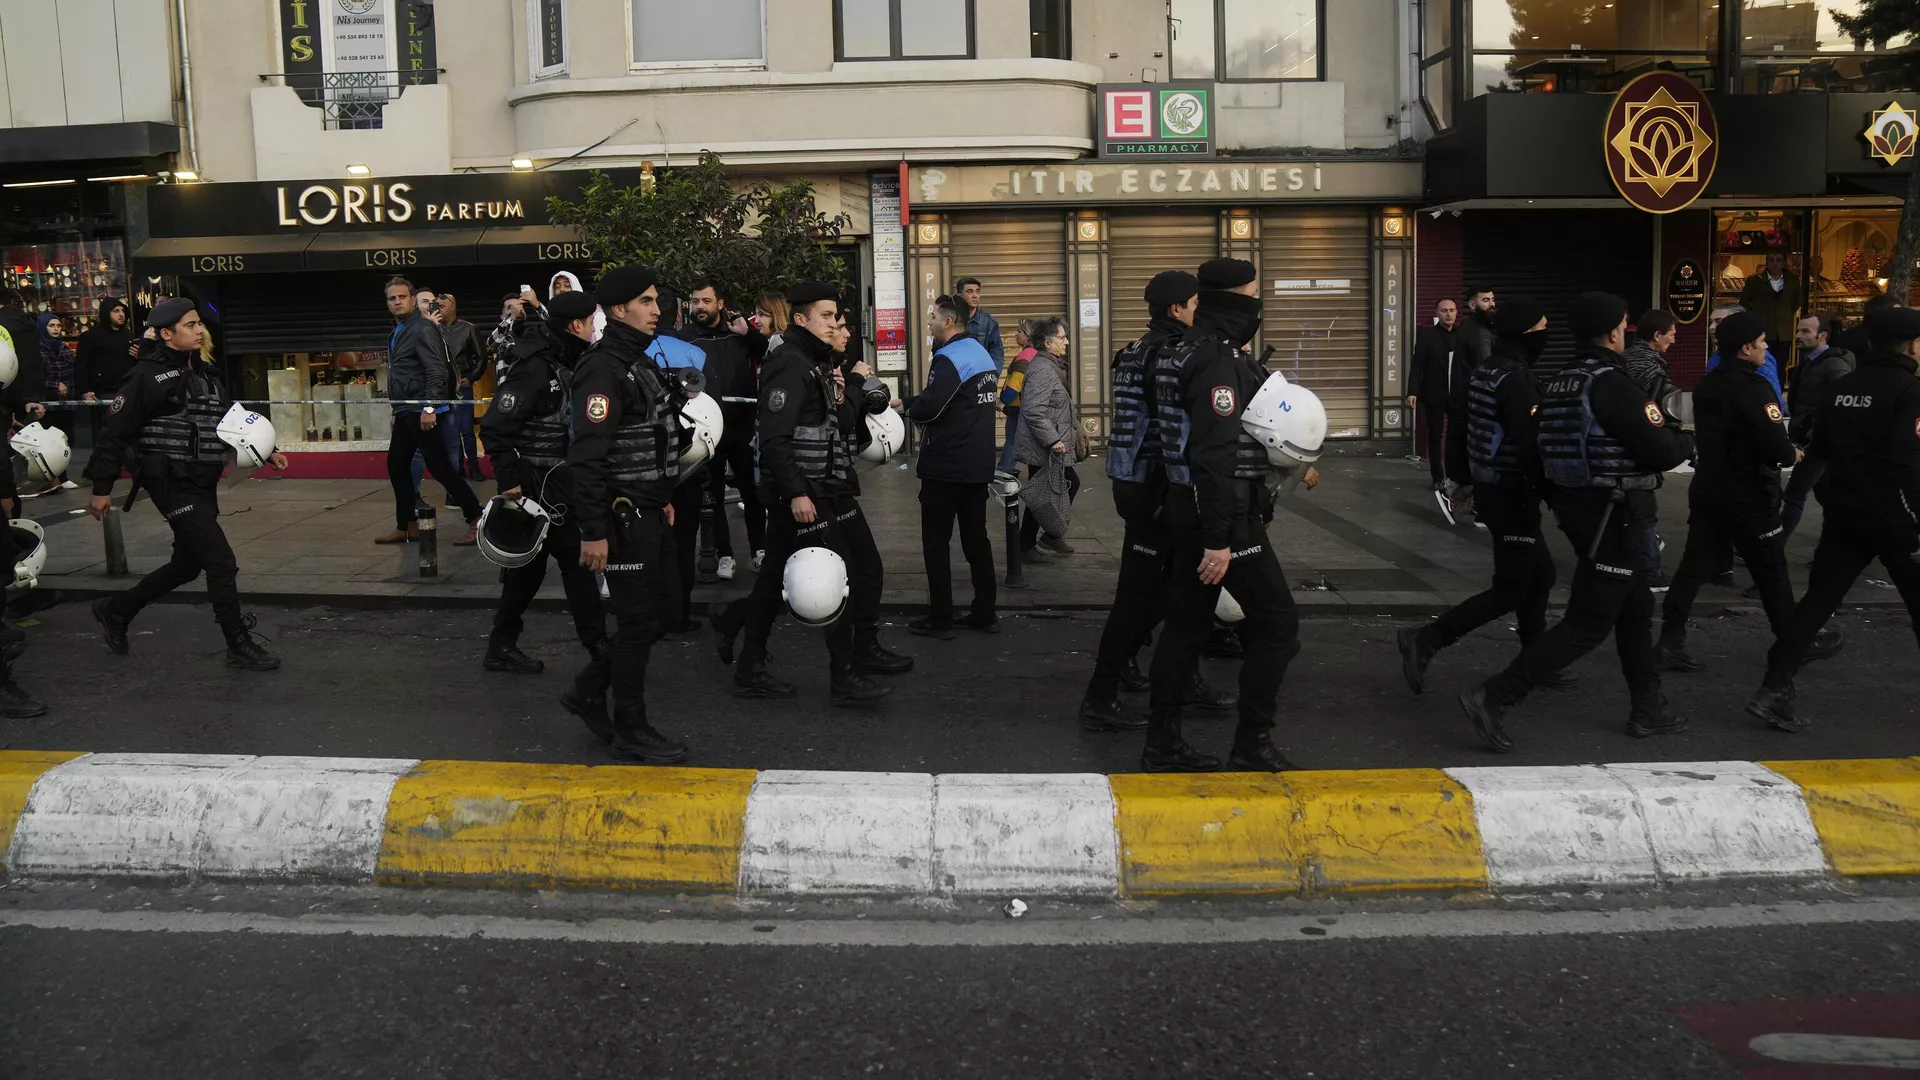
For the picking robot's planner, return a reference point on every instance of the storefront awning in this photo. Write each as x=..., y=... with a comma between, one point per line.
x=222, y=254
x=532, y=244
x=395, y=250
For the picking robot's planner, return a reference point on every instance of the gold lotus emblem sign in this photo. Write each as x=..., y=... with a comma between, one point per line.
x=1662, y=142
x=1890, y=133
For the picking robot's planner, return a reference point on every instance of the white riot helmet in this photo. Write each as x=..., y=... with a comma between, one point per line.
x=814, y=584
x=9, y=361
x=702, y=415
x=1288, y=420
x=889, y=436
x=512, y=532
x=250, y=435
x=1227, y=609
x=46, y=451
x=29, y=553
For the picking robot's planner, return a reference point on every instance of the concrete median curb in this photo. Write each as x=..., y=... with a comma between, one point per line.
x=780, y=832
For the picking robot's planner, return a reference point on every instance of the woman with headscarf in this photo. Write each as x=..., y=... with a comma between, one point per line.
x=62, y=375
x=565, y=281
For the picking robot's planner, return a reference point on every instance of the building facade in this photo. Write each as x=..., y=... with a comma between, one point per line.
x=321, y=145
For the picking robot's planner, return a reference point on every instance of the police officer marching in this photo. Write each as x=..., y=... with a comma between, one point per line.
x=625, y=458
x=1603, y=449
x=810, y=433
x=1502, y=400
x=1868, y=433
x=1139, y=490
x=1735, y=498
x=169, y=411
x=527, y=433
x=1214, y=510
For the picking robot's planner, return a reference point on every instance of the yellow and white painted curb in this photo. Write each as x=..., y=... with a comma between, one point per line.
x=396, y=821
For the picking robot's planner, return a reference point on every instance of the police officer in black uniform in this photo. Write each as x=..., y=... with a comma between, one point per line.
x=1502, y=399
x=1869, y=435
x=1735, y=499
x=1604, y=447
x=625, y=457
x=168, y=414
x=1139, y=491
x=811, y=432
x=1215, y=507
x=527, y=436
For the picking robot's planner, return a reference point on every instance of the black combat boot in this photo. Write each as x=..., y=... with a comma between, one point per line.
x=726, y=628
x=1652, y=717
x=586, y=698
x=1773, y=703
x=1255, y=752
x=1166, y=751
x=244, y=652
x=1105, y=715
x=16, y=703
x=850, y=687
x=1132, y=679
x=635, y=740
x=1488, y=715
x=113, y=626
x=1825, y=644
x=1670, y=652
x=874, y=658
x=1415, y=655
x=507, y=657
x=752, y=680
x=1201, y=696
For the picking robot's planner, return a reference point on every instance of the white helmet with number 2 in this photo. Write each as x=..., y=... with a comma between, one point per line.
x=250, y=435
x=814, y=584
x=1227, y=609
x=46, y=451
x=702, y=414
x=1288, y=420
x=889, y=436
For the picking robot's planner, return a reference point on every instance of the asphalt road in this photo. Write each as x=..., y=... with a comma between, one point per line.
x=409, y=684
x=1252, y=996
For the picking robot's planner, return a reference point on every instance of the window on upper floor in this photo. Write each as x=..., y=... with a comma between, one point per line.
x=547, y=37
x=903, y=29
x=726, y=33
x=1052, y=24
x=1247, y=40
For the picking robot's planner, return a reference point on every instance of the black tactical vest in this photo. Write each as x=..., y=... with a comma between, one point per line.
x=1575, y=451
x=1133, y=444
x=1490, y=446
x=545, y=437
x=646, y=445
x=823, y=451
x=192, y=433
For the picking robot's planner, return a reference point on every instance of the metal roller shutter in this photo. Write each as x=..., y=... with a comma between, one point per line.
x=1524, y=253
x=1142, y=245
x=1021, y=261
x=1315, y=269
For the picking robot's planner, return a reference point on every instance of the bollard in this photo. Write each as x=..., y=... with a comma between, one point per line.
x=1016, y=570
x=116, y=544
x=429, y=542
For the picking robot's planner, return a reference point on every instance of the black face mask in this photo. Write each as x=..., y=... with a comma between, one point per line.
x=1533, y=344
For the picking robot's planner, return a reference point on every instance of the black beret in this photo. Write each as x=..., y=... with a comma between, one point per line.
x=1595, y=314
x=1736, y=331
x=811, y=292
x=167, y=313
x=1226, y=273
x=1516, y=315
x=623, y=283
x=565, y=307
x=1170, y=287
x=1890, y=326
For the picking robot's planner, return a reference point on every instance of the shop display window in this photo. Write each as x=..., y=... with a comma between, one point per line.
x=342, y=394
x=67, y=280
x=1850, y=252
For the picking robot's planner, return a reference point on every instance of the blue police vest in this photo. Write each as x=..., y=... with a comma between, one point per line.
x=1490, y=446
x=1575, y=451
x=1171, y=424
x=1132, y=443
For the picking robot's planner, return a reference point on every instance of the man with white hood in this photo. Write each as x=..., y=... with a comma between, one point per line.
x=565, y=281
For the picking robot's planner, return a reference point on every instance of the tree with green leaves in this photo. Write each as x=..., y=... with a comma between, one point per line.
x=693, y=222
x=1881, y=21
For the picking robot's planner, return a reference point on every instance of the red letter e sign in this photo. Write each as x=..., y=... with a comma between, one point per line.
x=1129, y=114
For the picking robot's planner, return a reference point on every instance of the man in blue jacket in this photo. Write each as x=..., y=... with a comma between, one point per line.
x=956, y=463
x=417, y=370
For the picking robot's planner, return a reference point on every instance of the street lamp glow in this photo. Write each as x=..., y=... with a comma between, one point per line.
x=359, y=170
x=523, y=163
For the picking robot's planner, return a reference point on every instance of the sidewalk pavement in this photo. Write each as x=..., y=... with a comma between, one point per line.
x=1370, y=540
x=793, y=833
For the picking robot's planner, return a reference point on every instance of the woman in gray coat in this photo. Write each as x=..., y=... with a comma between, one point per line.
x=1048, y=445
